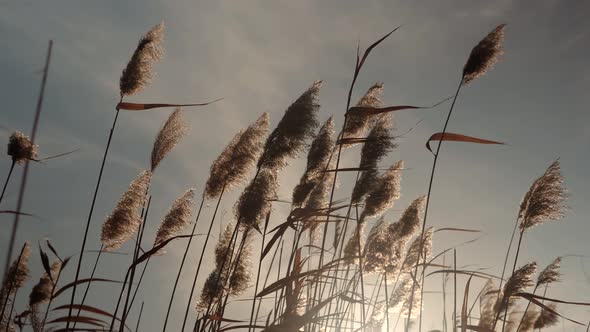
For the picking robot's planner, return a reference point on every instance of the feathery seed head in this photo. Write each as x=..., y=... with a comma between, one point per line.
x=484, y=55
x=297, y=125
x=545, y=199
x=240, y=276
x=518, y=282
x=528, y=320
x=355, y=245
x=255, y=201
x=17, y=274
x=237, y=159
x=550, y=274
x=173, y=130
x=414, y=253
x=125, y=218
x=176, y=219
x=319, y=156
x=357, y=123
x=385, y=192
x=20, y=147
x=487, y=300
x=41, y=292
x=547, y=318
x=379, y=142
x=138, y=73
x=366, y=182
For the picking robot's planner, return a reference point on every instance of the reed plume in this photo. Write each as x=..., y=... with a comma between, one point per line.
x=173, y=130
x=528, y=320
x=255, y=201
x=357, y=122
x=547, y=318
x=511, y=322
x=237, y=159
x=355, y=244
x=318, y=157
x=550, y=274
x=401, y=293
x=41, y=292
x=414, y=253
x=298, y=124
x=378, y=143
x=375, y=322
x=518, y=282
x=385, y=192
x=122, y=223
x=487, y=301
x=176, y=219
x=484, y=55
x=240, y=276
x=544, y=201
x=139, y=72
x=20, y=148
x=17, y=274
x=412, y=302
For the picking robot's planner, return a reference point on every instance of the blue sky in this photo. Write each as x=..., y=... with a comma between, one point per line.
x=260, y=56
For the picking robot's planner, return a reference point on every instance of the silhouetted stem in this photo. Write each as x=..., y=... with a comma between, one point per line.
x=7, y=179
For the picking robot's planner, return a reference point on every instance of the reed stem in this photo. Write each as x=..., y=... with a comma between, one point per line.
x=7, y=179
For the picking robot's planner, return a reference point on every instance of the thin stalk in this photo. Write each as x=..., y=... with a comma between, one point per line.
x=9, y=290
x=272, y=260
x=7, y=179
x=432, y=172
x=504, y=266
x=89, y=219
x=259, y=267
x=190, y=297
x=526, y=310
x=88, y=284
x=51, y=298
x=188, y=245
x=513, y=269
x=444, y=296
x=360, y=269
x=386, y=303
x=139, y=317
x=543, y=301
x=23, y=184
x=147, y=262
x=454, y=291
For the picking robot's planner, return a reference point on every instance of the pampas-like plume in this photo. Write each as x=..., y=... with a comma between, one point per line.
x=17, y=274
x=486, y=305
x=415, y=301
x=375, y=323
x=528, y=320
x=239, y=278
x=174, y=129
x=212, y=291
x=176, y=219
x=401, y=293
x=385, y=192
x=298, y=124
x=138, y=73
x=413, y=255
x=317, y=200
x=125, y=218
x=20, y=147
x=351, y=250
x=237, y=159
x=379, y=248
x=547, y=318
x=545, y=199
x=255, y=201
x=356, y=123
x=41, y=292
x=317, y=161
x=550, y=274
x=378, y=143
x=484, y=55
x=512, y=320
x=518, y=282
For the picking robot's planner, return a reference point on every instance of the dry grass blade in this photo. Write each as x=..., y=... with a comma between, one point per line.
x=173, y=130
x=144, y=107
x=138, y=73
x=547, y=318
x=457, y=138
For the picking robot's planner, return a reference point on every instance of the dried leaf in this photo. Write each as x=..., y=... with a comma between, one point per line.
x=457, y=138
x=144, y=107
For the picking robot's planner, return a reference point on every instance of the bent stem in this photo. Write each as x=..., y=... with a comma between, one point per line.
x=7, y=179
x=513, y=269
x=432, y=172
x=88, y=285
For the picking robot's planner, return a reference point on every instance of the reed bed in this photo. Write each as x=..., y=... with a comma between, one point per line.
x=341, y=265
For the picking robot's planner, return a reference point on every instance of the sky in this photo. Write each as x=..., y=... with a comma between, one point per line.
x=261, y=55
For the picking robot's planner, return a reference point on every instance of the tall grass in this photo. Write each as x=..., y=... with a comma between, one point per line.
x=370, y=276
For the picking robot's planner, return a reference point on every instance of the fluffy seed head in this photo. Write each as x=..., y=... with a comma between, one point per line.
x=41, y=292
x=355, y=245
x=545, y=199
x=125, y=218
x=484, y=55
x=550, y=274
x=518, y=282
x=138, y=73
x=413, y=255
x=17, y=274
x=487, y=300
x=528, y=319
x=212, y=290
x=20, y=148
x=375, y=323
x=176, y=219
x=385, y=192
x=401, y=293
x=364, y=185
x=240, y=275
x=237, y=159
x=317, y=200
x=297, y=125
x=173, y=130
x=356, y=123
x=255, y=201
x=547, y=318
x=318, y=158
